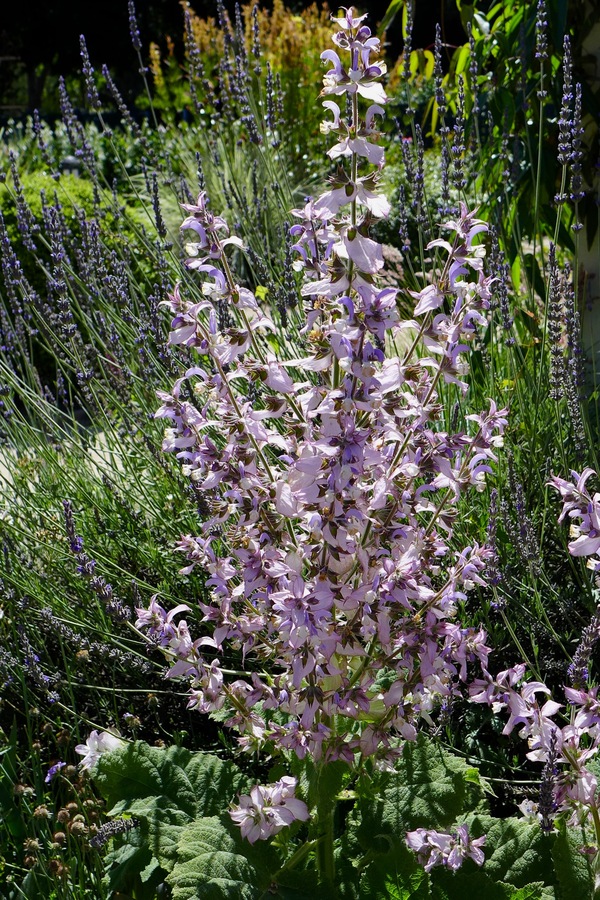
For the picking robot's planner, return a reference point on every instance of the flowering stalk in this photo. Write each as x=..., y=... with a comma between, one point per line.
x=569, y=785
x=332, y=492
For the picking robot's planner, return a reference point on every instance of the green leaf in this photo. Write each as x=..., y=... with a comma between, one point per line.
x=469, y=881
x=213, y=863
x=417, y=888
x=573, y=869
x=466, y=13
x=515, y=273
x=535, y=891
x=398, y=876
x=429, y=788
x=166, y=788
x=475, y=883
x=185, y=833
x=131, y=867
x=390, y=14
x=295, y=884
x=461, y=59
x=273, y=342
x=516, y=851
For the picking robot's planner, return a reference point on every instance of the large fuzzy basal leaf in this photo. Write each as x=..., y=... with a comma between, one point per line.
x=166, y=788
x=573, y=869
x=516, y=851
x=195, y=783
x=396, y=875
x=429, y=788
x=474, y=883
x=535, y=891
x=131, y=869
x=471, y=883
x=214, y=863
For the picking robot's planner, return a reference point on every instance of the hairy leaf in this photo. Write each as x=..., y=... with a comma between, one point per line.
x=573, y=869
x=429, y=788
x=475, y=883
x=534, y=891
x=213, y=863
x=468, y=882
x=167, y=789
x=516, y=851
x=131, y=867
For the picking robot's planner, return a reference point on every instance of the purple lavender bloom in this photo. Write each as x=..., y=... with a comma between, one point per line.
x=541, y=31
x=54, y=770
x=88, y=74
x=134, y=31
x=565, y=121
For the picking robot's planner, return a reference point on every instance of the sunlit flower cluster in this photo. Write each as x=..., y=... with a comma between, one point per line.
x=268, y=809
x=441, y=848
x=330, y=479
x=563, y=736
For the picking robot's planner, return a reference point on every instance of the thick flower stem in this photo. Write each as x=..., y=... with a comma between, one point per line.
x=596, y=888
x=325, y=859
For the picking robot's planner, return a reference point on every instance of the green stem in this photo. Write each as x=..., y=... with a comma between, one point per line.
x=325, y=859
x=596, y=863
x=292, y=862
x=322, y=829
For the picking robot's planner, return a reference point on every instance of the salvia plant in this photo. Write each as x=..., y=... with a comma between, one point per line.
x=329, y=637
x=331, y=497
x=332, y=430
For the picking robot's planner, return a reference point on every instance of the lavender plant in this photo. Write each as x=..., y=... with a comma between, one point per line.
x=84, y=261
x=507, y=145
x=563, y=736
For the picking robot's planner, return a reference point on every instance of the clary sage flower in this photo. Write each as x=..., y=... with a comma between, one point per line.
x=97, y=744
x=450, y=849
x=268, y=809
x=329, y=480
